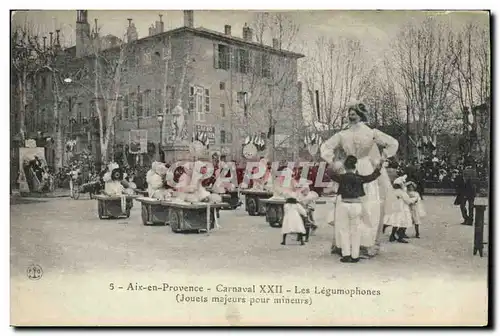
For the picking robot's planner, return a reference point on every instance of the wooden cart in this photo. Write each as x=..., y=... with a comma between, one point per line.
x=186, y=217
x=153, y=212
x=110, y=207
x=275, y=210
x=253, y=198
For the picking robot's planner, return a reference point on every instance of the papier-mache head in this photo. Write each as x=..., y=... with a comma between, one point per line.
x=199, y=145
x=252, y=146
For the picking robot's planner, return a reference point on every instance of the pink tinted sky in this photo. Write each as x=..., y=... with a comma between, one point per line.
x=375, y=29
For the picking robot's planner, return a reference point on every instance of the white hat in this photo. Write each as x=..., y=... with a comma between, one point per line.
x=400, y=180
x=112, y=166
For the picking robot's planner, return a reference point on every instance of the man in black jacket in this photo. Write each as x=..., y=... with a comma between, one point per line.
x=467, y=186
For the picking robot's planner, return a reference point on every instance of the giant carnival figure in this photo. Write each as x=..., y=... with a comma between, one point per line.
x=363, y=142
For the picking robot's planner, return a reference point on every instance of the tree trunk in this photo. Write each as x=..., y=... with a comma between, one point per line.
x=58, y=159
x=21, y=83
x=104, y=152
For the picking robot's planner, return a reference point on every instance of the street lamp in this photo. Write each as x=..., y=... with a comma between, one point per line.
x=160, y=145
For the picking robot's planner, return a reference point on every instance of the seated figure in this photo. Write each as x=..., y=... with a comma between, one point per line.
x=155, y=179
x=190, y=186
x=113, y=180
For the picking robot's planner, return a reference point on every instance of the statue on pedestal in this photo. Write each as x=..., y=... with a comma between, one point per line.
x=178, y=123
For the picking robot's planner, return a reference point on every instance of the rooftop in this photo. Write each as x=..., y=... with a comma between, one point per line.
x=204, y=32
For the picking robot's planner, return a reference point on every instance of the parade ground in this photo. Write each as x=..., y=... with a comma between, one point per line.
x=82, y=257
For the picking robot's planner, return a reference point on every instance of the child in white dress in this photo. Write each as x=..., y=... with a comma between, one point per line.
x=400, y=220
x=292, y=220
x=308, y=198
x=416, y=209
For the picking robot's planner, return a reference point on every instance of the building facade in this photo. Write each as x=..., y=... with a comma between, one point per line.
x=229, y=86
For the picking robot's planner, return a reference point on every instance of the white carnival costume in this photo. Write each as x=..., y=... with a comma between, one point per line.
x=189, y=188
x=362, y=142
x=113, y=180
x=155, y=179
x=402, y=216
x=113, y=183
x=417, y=209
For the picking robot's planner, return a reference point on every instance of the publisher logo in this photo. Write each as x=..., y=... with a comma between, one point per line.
x=34, y=272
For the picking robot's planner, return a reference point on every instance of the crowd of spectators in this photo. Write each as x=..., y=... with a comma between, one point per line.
x=437, y=172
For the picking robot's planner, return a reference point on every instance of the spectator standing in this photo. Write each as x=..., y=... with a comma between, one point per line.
x=467, y=186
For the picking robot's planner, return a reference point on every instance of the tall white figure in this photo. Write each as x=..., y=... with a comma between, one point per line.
x=363, y=142
x=177, y=121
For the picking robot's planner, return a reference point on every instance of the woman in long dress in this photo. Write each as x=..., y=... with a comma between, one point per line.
x=362, y=142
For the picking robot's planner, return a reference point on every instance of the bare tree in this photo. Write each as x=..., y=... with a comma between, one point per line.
x=25, y=62
x=59, y=65
x=424, y=60
x=264, y=84
x=102, y=77
x=276, y=25
x=472, y=83
x=336, y=72
x=472, y=68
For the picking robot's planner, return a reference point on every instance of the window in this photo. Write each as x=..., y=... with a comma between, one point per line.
x=119, y=108
x=242, y=98
x=222, y=85
x=131, y=61
x=266, y=66
x=158, y=102
x=170, y=98
x=79, y=111
x=126, y=107
x=197, y=102
x=258, y=64
x=222, y=137
x=147, y=103
x=243, y=60
x=139, y=105
x=191, y=107
x=223, y=110
x=132, y=106
x=207, y=100
x=146, y=57
x=222, y=56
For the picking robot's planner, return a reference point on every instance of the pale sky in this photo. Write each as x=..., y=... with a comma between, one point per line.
x=375, y=29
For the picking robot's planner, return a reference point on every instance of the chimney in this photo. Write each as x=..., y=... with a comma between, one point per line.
x=247, y=33
x=50, y=40
x=276, y=43
x=44, y=42
x=188, y=19
x=227, y=29
x=160, y=25
x=131, y=31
